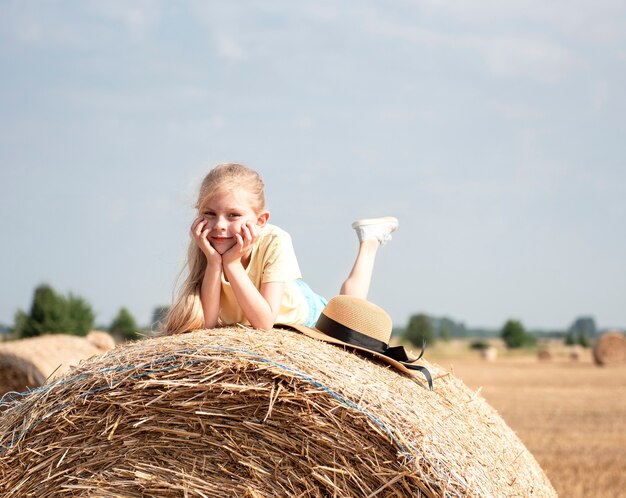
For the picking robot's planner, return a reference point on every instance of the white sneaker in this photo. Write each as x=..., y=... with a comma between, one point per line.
x=376, y=228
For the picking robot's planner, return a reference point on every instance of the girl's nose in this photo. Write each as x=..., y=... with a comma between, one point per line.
x=221, y=223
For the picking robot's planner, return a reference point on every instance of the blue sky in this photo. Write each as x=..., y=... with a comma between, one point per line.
x=494, y=131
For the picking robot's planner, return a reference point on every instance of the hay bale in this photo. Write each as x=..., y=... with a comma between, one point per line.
x=575, y=352
x=610, y=349
x=489, y=354
x=102, y=340
x=27, y=363
x=238, y=412
x=544, y=355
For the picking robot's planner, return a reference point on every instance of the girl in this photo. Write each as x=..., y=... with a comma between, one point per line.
x=242, y=270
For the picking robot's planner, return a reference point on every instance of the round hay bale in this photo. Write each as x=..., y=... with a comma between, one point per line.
x=575, y=352
x=238, y=412
x=489, y=354
x=544, y=355
x=102, y=340
x=27, y=363
x=610, y=349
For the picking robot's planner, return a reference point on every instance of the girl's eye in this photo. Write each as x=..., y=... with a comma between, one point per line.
x=209, y=214
x=234, y=215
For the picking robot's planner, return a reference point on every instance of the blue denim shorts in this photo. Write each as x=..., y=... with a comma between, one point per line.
x=315, y=302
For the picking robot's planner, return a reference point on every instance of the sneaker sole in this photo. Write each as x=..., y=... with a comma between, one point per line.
x=376, y=221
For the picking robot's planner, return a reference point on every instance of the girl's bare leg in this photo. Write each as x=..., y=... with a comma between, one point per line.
x=358, y=282
x=372, y=233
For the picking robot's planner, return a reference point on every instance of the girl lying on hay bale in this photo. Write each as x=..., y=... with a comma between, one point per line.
x=237, y=412
x=242, y=270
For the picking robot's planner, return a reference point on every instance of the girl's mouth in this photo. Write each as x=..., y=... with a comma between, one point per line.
x=221, y=239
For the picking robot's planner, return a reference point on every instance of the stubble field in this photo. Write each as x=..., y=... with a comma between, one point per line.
x=570, y=414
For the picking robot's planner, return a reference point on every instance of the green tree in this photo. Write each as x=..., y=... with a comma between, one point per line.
x=445, y=333
x=52, y=313
x=581, y=331
x=515, y=336
x=80, y=315
x=124, y=326
x=48, y=314
x=572, y=338
x=419, y=329
x=583, y=340
x=20, y=324
x=586, y=325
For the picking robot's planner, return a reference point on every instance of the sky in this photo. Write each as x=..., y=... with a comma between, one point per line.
x=494, y=131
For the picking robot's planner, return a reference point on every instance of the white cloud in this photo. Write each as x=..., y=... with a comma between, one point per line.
x=139, y=17
x=527, y=56
x=304, y=122
x=518, y=111
x=36, y=24
x=77, y=25
x=228, y=47
x=601, y=20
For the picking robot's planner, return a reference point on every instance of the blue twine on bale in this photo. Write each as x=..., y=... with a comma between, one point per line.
x=178, y=355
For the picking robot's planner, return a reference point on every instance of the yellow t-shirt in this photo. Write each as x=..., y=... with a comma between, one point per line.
x=273, y=259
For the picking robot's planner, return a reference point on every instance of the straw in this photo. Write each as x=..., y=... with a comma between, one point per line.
x=610, y=349
x=238, y=412
x=27, y=363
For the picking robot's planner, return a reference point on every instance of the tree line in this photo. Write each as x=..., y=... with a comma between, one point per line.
x=422, y=327
x=55, y=313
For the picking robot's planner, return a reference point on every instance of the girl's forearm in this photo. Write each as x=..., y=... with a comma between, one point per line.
x=210, y=296
x=257, y=310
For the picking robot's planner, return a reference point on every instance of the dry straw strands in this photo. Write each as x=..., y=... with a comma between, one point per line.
x=610, y=349
x=27, y=363
x=245, y=413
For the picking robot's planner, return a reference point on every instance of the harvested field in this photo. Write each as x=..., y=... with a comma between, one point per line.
x=570, y=414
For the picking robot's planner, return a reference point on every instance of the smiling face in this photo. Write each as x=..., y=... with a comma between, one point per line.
x=225, y=213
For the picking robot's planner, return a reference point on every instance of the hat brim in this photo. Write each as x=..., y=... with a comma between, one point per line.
x=321, y=336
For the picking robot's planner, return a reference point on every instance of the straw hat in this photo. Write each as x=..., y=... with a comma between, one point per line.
x=359, y=324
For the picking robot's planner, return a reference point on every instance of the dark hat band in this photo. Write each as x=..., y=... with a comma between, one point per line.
x=352, y=337
x=345, y=334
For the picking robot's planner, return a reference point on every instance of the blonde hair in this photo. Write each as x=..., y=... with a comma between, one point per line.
x=186, y=314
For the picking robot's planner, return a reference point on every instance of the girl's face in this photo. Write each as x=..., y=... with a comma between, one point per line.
x=225, y=213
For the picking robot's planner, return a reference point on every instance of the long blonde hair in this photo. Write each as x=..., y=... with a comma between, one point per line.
x=186, y=314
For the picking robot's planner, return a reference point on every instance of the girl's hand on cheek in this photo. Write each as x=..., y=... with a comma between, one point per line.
x=244, y=242
x=250, y=232
x=200, y=234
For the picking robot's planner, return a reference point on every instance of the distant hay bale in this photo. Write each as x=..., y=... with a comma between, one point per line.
x=575, y=352
x=544, y=355
x=238, y=412
x=489, y=354
x=27, y=363
x=102, y=340
x=610, y=349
